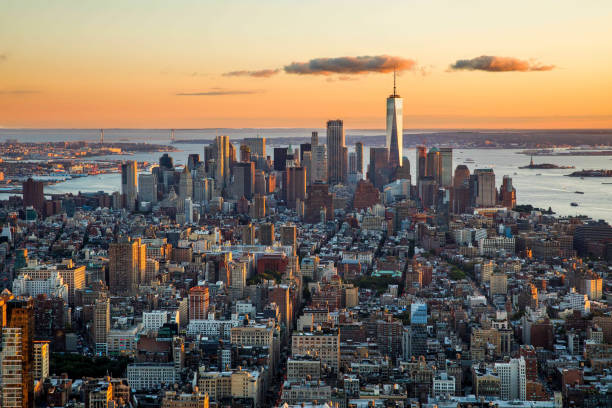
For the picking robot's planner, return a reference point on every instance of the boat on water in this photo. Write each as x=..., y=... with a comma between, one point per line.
x=579, y=192
x=574, y=204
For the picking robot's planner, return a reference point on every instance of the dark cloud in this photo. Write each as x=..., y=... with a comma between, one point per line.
x=350, y=65
x=262, y=73
x=499, y=64
x=3, y=57
x=18, y=91
x=220, y=92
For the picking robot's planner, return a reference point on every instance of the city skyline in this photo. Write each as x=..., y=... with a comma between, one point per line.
x=198, y=65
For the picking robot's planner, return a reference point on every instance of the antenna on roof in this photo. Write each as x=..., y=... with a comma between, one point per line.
x=101, y=136
x=172, y=136
x=394, y=93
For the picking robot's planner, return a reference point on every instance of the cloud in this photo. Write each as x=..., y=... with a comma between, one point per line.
x=18, y=92
x=220, y=92
x=350, y=65
x=262, y=73
x=498, y=64
x=3, y=57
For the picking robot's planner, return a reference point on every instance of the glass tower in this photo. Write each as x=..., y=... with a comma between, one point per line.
x=395, y=127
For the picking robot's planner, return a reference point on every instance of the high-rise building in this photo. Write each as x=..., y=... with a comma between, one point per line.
x=247, y=234
x=352, y=167
x=166, y=162
x=185, y=184
x=507, y=193
x=221, y=152
x=359, y=154
x=257, y=145
x=304, y=147
x=127, y=266
x=319, y=206
x=244, y=180
x=513, y=378
x=41, y=360
x=485, y=188
x=33, y=194
x=314, y=139
x=336, y=152
x=280, y=158
x=421, y=164
x=17, y=355
x=378, y=172
x=101, y=325
x=395, y=128
x=266, y=234
x=461, y=189
x=446, y=166
x=147, y=188
x=307, y=165
x=188, y=211
x=245, y=153
x=193, y=161
x=294, y=185
x=198, y=303
x=434, y=164
x=288, y=235
x=319, y=164
x=260, y=206
x=129, y=184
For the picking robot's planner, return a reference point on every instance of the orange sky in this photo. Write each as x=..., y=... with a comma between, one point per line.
x=110, y=64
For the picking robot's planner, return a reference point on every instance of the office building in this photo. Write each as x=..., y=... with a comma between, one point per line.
x=257, y=145
x=294, y=185
x=33, y=194
x=323, y=345
x=17, y=355
x=485, y=188
x=446, y=167
x=266, y=234
x=221, y=152
x=319, y=164
x=513, y=379
x=101, y=325
x=336, y=152
x=421, y=164
x=41, y=360
x=244, y=180
x=127, y=265
x=359, y=157
x=129, y=184
x=319, y=206
x=198, y=303
x=147, y=188
x=280, y=158
x=314, y=139
x=378, y=172
x=395, y=123
x=507, y=193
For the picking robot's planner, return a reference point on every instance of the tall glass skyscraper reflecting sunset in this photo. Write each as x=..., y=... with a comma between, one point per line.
x=395, y=127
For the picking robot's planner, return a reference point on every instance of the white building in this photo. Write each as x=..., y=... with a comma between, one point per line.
x=53, y=286
x=155, y=319
x=443, y=385
x=513, y=379
x=149, y=376
x=213, y=328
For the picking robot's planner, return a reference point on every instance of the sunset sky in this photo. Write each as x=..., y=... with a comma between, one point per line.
x=196, y=64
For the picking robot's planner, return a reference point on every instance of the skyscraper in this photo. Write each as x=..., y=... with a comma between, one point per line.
x=434, y=165
x=244, y=180
x=507, y=193
x=16, y=358
x=257, y=145
x=336, y=152
x=33, y=194
x=101, y=325
x=185, y=184
x=319, y=164
x=359, y=153
x=222, y=158
x=294, y=185
x=446, y=165
x=280, y=158
x=314, y=139
x=127, y=265
x=395, y=128
x=379, y=164
x=198, y=303
x=129, y=184
x=147, y=188
x=421, y=164
x=485, y=188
